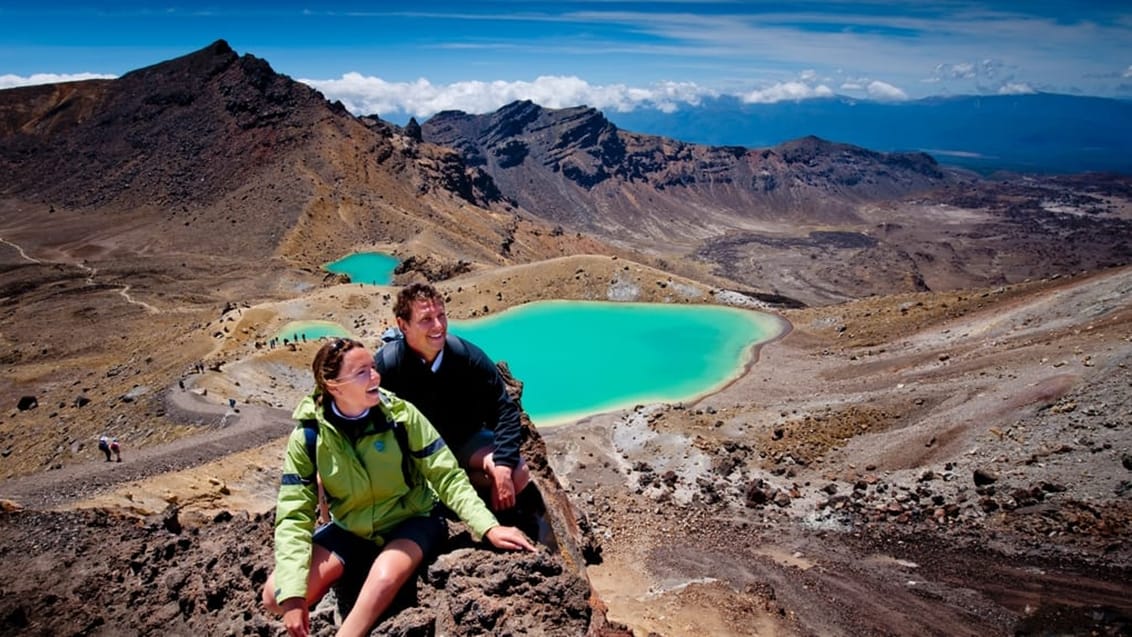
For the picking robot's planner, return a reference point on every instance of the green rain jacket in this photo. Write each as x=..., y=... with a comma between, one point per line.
x=364, y=484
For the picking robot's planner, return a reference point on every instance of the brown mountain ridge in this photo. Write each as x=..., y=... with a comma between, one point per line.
x=807, y=180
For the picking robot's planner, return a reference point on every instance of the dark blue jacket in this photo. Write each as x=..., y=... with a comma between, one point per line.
x=464, y=395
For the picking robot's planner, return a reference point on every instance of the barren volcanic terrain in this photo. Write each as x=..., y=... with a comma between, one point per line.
x=938, y=443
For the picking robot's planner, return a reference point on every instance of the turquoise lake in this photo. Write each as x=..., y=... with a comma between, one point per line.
x=581, y=358
x=311, y=330
x=372, y=268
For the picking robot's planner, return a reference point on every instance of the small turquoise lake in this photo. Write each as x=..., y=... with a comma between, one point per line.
x=582, y=358
x=371, y=268
x=297, y=331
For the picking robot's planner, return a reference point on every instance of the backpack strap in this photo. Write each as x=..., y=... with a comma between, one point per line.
x=390, y=359
x=310, y=438
x=402, y=436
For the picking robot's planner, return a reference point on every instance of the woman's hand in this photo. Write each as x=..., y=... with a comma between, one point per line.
x=509, y=538
x=296, y=617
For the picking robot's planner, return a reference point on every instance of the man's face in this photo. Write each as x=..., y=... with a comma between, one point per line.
x=426, y=328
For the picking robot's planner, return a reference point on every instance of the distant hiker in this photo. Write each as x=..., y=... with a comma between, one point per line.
x=181, y=383
x=389, y=467
x=116, y=449
x=459, y=389
x=104, y=446
x=231, y=403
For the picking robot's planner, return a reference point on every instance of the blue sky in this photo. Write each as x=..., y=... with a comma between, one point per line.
x=419, y=58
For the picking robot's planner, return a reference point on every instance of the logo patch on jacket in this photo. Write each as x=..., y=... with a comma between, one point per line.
x=379, y=445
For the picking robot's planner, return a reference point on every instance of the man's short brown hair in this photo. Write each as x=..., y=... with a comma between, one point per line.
x=403, y=307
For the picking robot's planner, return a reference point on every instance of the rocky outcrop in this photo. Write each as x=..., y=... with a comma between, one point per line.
x=107, y=571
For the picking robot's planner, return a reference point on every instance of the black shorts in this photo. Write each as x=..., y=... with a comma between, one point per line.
x=426, y=531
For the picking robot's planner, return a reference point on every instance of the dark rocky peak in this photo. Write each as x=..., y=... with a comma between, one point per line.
x=198, y=66
x=450, y=125
x=578, y=142
x=413, y=129
x=815, y=152
x=810, y=147
x=518, y=119
x=513, y=118
x=509, y=121
x=580, y=124
x=184, y=130
x=248, y=88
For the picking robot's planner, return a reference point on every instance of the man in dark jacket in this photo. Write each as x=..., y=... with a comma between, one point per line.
x=459, y=389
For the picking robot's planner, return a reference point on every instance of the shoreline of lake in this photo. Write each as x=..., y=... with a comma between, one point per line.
x=781, y=327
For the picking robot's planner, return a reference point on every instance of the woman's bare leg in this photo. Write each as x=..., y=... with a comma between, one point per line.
x=325, y=570
x=393, y=567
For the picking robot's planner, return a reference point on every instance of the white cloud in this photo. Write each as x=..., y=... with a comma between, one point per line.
x=1128, y=71
x=365, y=95
x=961, y=71
x=786, y=91
x=1015, y=88
x=987, y=71
x=884, y=91
x=12, y=81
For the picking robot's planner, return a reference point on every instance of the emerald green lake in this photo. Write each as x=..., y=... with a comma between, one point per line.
x=373, y=268
x=581, y=358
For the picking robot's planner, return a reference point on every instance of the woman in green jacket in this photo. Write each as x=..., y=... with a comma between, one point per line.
x=380, y=505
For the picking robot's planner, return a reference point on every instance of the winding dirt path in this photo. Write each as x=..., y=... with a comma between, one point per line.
x=20, y=250
x=223, y=431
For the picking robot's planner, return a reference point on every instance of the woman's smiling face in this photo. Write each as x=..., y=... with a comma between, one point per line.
x=355, y=388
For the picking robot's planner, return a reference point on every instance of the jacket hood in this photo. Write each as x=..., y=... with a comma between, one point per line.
x=306, y=409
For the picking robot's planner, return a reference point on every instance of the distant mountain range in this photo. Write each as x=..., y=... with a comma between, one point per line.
x=1041, y=133
x=573, y=167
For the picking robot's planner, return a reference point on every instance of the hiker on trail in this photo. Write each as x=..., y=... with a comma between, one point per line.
x=116, y=449
x=387, y=468
x=104, y=446
x=459, y=389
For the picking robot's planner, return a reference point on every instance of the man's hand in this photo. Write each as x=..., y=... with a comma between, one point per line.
x=296, y=617
x=502, y=488
x=510, y=538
